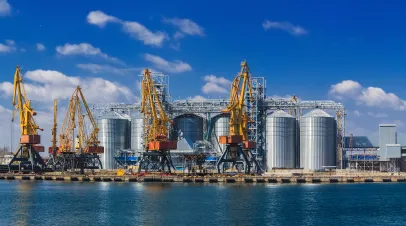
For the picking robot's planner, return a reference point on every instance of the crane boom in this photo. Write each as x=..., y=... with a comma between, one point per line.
x=53, y=149
x=75, y=118
x=92, y=139
x=22, y=104
x=237, y=108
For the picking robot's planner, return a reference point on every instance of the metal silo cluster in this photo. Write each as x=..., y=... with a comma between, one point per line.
x=309, y=143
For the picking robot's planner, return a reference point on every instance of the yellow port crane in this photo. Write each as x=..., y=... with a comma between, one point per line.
x=26, y=157
x=156, y=122
x=237, y=142
x=54, y=148
x=74, y=121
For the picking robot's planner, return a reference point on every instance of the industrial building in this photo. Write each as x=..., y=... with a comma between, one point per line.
x=289, y=133
x=388, y=156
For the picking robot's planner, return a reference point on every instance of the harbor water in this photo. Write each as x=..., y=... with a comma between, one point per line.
x=108, y=203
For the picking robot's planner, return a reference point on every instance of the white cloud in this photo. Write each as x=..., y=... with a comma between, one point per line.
x=9, y=46
x=100, y=19
x=5, y=8
x=370, y=96
x=40, y=47
x=219, y=80
x=377, y=115
x=133, y=28
x=141, y=33
x=102, y=68
x=197, y=98
x=185, y=26
x=345, y=88
x=4, y=48
x=357, y=113
x=11, y=134
x=377, y=97
x=5, y=110
x=176, y=66
x=85, y=49
x=178, y=35
x=213, y=88
x=215, y=84
x=46, y=85
x=10, y=42
x=51, y=77
x=285, y=26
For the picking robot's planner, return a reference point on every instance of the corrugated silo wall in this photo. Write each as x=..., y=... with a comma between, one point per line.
x=137, y=140
x=318, y=142
x=221, y=128
x=114, y=134
x=281, y=140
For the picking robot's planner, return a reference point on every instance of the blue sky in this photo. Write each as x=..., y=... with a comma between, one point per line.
x=307, y=48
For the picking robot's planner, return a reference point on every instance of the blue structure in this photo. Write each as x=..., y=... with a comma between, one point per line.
x=211, y=159
x=126, y=158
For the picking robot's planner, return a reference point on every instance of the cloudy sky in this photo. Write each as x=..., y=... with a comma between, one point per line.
x=350, y=52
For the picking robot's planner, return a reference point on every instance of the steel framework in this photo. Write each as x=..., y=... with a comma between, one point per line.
x=362, y=159
x=72, y=162
x=257, y=114
x=258, y=110
x=366, y=159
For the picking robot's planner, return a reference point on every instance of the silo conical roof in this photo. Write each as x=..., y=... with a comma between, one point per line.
x=114, y=115
x=280, y=114
x=317, y=113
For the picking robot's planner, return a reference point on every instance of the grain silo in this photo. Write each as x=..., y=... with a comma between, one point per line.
x=318, y=133
x=114, y=134
x=137, y=138
x=188, y=129
x=280, y=140
x=221, y=128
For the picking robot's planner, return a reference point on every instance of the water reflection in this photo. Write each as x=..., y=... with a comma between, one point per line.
x=155, y=188
x=108, y=203
x=23, y=203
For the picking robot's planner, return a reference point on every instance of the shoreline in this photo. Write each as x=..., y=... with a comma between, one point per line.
x=281, y=179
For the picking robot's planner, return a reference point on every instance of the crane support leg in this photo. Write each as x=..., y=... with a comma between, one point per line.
x=70, y=161
x=27, y=159
x=232, y=155
x=155, y=161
